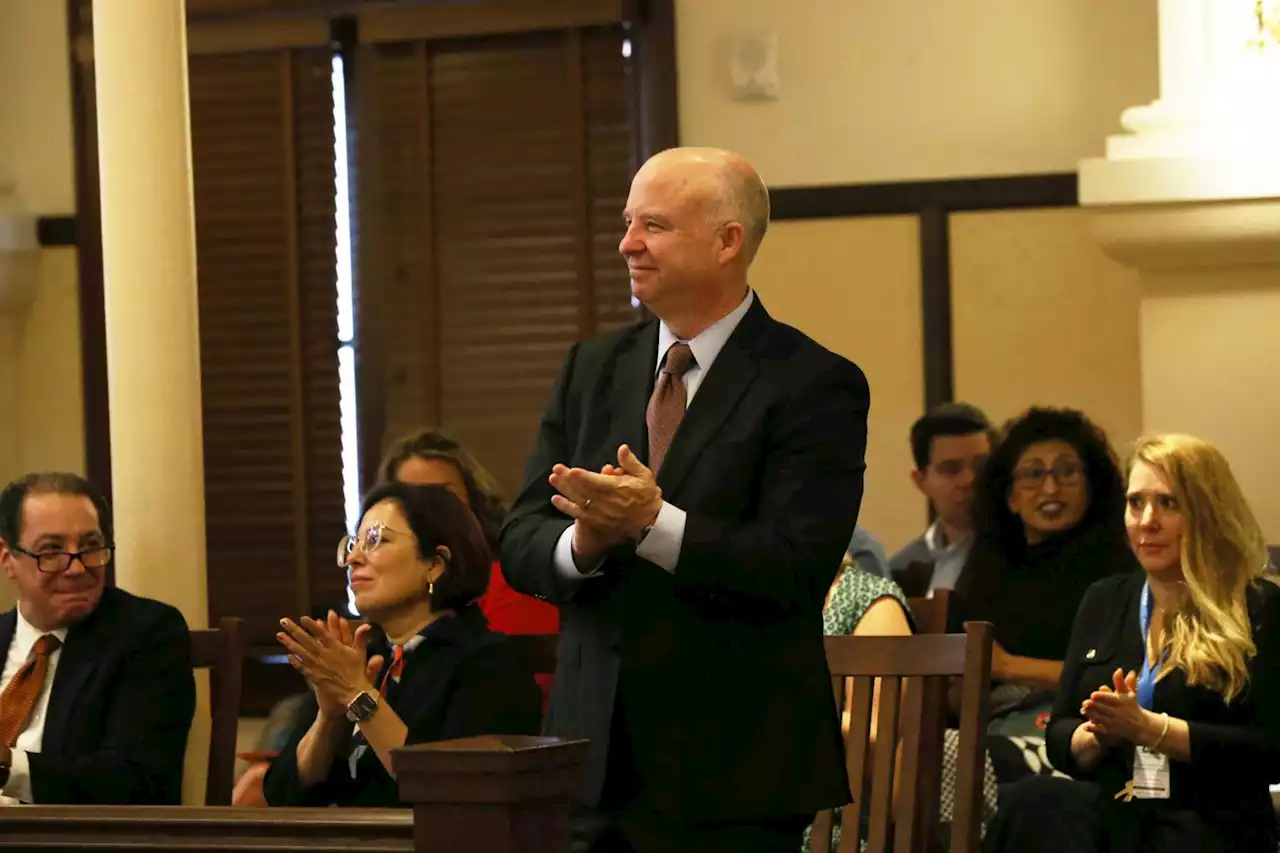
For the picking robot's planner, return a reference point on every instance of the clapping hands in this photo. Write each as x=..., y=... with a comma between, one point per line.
x=333, y=658
x=1112, y=712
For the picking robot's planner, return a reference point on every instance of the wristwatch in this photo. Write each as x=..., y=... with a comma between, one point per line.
x=362, y=707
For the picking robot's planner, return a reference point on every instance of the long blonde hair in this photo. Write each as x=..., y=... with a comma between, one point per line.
x=1223, y=551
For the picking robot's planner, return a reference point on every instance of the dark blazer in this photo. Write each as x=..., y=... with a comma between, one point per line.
x=120, y=709
x=1235, y=749
x=461, y=681
x=718, y=668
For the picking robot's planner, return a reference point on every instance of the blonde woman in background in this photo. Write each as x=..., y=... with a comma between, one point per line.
x=1168, y=713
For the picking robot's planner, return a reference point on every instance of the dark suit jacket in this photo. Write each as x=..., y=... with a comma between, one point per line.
x=120, y=709
x=1235, y=749
x=719, y=666
x=461, y=681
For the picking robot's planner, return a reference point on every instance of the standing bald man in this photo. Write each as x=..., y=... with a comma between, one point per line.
x=695, y=482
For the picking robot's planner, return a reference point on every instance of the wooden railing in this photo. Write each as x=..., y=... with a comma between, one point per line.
x=495, y=794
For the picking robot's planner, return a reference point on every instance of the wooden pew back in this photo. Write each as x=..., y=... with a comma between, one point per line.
x=904, y=666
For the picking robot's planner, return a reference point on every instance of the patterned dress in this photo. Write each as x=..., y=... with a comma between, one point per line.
x=854, y=593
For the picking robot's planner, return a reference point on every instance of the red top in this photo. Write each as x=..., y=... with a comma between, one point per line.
x=511, y=612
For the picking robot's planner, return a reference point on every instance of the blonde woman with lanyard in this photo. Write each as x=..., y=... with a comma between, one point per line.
x=1168, y=713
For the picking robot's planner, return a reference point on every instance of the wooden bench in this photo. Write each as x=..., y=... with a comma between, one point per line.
x=494, y=794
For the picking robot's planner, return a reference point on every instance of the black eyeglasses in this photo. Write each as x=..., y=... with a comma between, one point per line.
x=1066, y=472
x=56, y=562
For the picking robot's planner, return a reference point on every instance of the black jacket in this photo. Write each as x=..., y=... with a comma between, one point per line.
x=120, y=709
x=1235, y=748
x=1031, y=596
x=461, y=681
x=768, y=465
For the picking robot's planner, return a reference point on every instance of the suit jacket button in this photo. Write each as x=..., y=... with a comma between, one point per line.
x=1091, y=654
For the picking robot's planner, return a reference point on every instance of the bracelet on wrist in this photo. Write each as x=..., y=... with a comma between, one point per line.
x=1164, y=730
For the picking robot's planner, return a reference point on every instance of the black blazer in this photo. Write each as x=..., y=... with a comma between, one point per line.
x=120, y=709
x=1235, y=749
x=461, y=681
x=720, y=665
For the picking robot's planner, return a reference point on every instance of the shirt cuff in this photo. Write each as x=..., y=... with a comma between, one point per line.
x=19, y=785
x=565, y=565
x=662, y=546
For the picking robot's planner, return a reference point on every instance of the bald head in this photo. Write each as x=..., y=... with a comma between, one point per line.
x=723, y=182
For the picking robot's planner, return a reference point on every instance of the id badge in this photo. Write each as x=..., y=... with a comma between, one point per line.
x=1150, y=775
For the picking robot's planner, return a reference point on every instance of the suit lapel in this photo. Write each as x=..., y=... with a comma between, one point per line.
x=728, y=379
x=8, y=624
x=633, y=374
x=78, y=658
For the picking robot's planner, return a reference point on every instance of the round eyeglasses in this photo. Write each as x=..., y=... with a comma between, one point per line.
x=372, y=539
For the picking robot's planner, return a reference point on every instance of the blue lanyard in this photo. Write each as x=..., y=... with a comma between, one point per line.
x=1147, y=677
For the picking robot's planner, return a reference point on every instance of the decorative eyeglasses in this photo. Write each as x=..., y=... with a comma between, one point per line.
x=1066, y=472
x=372, y=539
x=56, y=562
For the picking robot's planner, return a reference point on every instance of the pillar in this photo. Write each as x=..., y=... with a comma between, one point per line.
x=153, y=350
x=1189, y=196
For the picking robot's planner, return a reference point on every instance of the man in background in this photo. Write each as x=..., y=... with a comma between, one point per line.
x=97, y=694
x=949, y=445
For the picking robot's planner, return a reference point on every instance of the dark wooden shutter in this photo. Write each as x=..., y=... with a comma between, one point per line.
x=494, y=171
x=262, y=143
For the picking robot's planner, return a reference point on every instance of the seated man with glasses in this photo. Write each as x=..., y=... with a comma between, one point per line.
x=97, y=693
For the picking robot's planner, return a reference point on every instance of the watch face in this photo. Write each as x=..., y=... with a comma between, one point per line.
x=362, y=708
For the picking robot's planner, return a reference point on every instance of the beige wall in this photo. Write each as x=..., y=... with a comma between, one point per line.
x=42, y=425
x=882, y=90
x=1041, y=316
x=854, y=286
x=1211, y=368
x=36, y=146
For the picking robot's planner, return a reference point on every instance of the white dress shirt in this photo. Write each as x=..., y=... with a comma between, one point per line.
x=30, y=739
x=662, y=546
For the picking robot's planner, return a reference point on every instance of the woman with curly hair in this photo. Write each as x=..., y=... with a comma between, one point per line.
x=1049, y=521
x=1168, y=712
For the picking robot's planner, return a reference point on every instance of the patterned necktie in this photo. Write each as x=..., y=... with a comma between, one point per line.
x=24, y=689
x=666, y=406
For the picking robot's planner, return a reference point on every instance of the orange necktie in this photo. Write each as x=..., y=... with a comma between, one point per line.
x=397, y=667
x=24, y=689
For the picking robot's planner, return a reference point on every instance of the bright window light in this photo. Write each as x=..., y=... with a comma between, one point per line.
x=346, y=306
x=346, y=313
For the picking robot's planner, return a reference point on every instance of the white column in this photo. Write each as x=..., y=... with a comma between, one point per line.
x=1190, y=198
x=1219, y=77
x=153, y=349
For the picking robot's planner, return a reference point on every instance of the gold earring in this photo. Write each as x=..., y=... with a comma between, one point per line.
x=431, y=587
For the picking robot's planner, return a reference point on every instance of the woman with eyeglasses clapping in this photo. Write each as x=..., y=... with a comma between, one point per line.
x=416, y=566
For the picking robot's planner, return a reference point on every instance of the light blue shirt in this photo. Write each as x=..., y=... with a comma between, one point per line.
x=662, y=546
x=868, y=553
